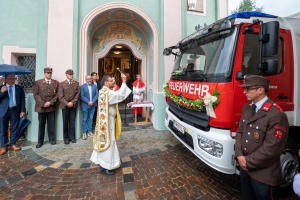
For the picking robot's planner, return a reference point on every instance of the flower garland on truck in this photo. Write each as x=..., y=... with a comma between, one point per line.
x=208, y=102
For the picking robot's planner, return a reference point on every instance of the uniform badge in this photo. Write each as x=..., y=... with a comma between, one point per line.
x=278, y=133
x=256, y=135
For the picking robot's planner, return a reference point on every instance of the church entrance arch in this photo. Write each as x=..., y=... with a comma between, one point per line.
x=88, y=62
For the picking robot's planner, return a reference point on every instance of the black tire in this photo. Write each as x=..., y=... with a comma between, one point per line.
x=289, y=162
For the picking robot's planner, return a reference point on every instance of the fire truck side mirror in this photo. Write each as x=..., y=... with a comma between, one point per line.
x=269, y=67
x=167, y=51
x=270, y=38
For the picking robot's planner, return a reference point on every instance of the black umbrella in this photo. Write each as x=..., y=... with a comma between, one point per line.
x=23, y=123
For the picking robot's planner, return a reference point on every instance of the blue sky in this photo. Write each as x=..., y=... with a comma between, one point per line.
x=276, y=7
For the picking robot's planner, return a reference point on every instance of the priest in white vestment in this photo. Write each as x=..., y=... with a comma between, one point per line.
x=109, y=159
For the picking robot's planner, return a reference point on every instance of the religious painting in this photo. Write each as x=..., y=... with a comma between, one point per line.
x=109, y=65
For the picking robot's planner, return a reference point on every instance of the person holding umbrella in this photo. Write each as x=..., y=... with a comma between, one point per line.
x=12, y=107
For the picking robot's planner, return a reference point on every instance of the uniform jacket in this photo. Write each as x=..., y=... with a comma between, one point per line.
x=19, y=97
x=85, y=95
x=262, y=139
x=68, y=93
x=44, y=92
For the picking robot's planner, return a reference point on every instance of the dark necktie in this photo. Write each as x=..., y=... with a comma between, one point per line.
x=70, y=82
x=253, y=109
x=48, y=82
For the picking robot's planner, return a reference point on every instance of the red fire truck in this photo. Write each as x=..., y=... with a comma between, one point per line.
x=203, y=94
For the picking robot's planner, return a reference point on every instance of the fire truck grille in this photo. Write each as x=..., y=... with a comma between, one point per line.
x=196, y=119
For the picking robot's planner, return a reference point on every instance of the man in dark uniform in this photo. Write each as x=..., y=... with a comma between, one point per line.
x=68, y=94
x=260, y=140
x=45, y=95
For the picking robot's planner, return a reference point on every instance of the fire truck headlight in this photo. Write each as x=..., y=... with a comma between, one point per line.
x=210, y=146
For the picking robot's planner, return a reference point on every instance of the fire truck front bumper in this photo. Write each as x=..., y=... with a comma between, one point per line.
x=214, y=147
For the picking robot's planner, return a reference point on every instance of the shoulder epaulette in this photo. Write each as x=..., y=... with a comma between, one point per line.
x=266, y=107
x=278, y=107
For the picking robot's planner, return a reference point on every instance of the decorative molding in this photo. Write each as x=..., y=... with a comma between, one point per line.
x=119, y=30
x=10, y=53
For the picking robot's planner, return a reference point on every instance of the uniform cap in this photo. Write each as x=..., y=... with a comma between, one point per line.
x=48, y=69
x=255, y=80
x=70, y=71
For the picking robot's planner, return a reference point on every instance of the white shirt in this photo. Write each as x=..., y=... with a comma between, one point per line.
x=69, y=81
x=48, y=80
x=90, y=92
x=14, y=92
x=260, y=103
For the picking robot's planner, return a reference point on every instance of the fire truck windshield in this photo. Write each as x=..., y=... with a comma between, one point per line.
x=207, y=58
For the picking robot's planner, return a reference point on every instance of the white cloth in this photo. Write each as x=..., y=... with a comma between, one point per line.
x=110, y=158
x=143, y=104
x=296, y=184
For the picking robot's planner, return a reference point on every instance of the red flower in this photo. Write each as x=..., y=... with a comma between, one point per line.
x=102, y=116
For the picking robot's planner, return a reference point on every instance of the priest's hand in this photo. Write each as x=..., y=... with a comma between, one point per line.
x=123, y=77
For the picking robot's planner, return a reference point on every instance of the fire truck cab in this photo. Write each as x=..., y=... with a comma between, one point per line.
x=214, y=61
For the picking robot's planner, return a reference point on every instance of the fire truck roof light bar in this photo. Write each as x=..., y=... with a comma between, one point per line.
x=247, y=15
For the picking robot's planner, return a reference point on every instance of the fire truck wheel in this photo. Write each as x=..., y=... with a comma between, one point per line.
x=289, y=161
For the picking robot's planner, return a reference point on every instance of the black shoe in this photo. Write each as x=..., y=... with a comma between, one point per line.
x=73, y=141
x=107, y=172
x=53, y=143
x=39, y=145
x=67, y=141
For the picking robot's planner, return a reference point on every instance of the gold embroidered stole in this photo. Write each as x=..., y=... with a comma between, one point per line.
x=118, y=124
x=101, y=139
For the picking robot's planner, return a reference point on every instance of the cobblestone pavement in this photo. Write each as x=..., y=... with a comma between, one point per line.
x=154, y=166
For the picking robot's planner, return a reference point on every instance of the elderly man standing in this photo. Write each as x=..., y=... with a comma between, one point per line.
x=260, y=140
x=88, y=97
x=45, y=95
x=68, y=94
x=106, y=152
x=12, y=107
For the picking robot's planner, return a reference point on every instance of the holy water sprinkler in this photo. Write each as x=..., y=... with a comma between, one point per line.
x=119, y=70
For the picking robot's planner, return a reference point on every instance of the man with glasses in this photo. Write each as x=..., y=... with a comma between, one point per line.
x=12, y=107
x=260, y=140
x=45, y=95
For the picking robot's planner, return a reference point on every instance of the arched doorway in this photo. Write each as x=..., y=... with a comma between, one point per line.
x=120, y=23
